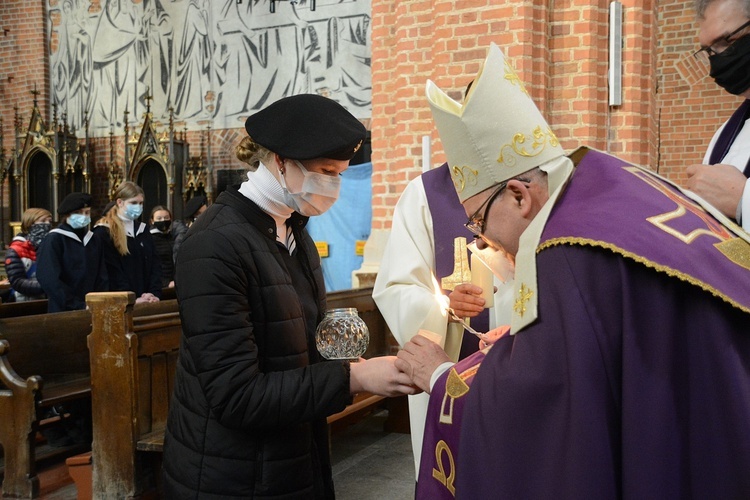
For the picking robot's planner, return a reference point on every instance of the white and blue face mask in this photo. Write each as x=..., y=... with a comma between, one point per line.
x=78, y=221
x=318, y=192
x=133, y=210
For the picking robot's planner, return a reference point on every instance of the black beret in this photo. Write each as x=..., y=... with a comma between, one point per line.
x=73, y=202
x=307, y=126
x=193, y=205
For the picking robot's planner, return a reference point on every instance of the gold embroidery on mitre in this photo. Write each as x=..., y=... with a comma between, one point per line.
x=737, y=250
x=512, y=77
x=539, y=139
x=463, y=176
x=524, y=295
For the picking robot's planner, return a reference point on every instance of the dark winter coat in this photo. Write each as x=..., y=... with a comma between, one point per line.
x=70, y=264
x=20, y=266
x=247, y=416
x=163, y=243
x=140, y=270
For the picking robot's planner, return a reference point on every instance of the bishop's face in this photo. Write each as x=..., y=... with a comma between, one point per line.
x=500, y=214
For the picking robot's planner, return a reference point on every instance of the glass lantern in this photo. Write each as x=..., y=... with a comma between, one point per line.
x=342, y=334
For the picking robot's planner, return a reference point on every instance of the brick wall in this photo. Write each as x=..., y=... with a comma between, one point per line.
x=23, y=64
x=559, y=49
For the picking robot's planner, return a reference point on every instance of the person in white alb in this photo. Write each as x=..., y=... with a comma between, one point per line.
x=722, y=179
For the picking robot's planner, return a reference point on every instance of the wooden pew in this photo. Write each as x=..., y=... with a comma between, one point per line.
x=132, y=370
x=15, y=309
x=133, y=363
x=44, y=361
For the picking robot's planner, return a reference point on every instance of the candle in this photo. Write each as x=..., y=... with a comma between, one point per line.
x=481, y=276
x=426, y=153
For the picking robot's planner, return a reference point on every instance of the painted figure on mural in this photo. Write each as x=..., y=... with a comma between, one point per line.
x=344, y=63
x=120, y=60
x=72, y=64
x=194, y=61
x=263, y=48
x=108, y=56
x=160, y=33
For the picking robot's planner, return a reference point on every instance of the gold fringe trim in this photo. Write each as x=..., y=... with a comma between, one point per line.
x=648, y=263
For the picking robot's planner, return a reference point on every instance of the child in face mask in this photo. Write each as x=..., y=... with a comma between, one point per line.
x=20, y=258
x=70, y=261
x=161, y=222
x=129, y=249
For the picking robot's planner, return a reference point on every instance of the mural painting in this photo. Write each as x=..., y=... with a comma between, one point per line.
x=215, y=61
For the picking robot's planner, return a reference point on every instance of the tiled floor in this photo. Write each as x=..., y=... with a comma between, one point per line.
x=370, y=464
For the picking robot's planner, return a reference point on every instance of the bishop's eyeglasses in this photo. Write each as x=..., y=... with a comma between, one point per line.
x=721, y=45
x=477, y=223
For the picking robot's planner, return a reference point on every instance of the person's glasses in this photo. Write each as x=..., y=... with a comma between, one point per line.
x=721, y=46
x=477, y=223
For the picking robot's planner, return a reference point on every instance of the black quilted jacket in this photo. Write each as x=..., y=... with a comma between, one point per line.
x=247, y=416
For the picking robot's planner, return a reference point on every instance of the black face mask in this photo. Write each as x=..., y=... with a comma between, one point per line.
x=37, y=233
x=731, y=68
x=163, y=225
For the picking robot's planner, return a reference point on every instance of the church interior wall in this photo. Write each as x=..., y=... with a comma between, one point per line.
x=559, y=48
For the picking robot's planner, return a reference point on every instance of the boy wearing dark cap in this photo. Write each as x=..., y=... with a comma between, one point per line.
x=70, y=262
x=193, y=208
x=251, y=393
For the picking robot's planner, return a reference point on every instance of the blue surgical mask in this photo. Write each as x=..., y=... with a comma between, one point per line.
x=132, y=212
x=78, y=221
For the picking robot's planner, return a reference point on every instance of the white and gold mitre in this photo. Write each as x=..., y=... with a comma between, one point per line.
x=497, y=134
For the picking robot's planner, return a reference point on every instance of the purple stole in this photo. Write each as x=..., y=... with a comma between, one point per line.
x=650, y=222
x=437, y=469
x=729, y=134
x=448, y=218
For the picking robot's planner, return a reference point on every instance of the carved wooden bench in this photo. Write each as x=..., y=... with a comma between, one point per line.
x=44, y=362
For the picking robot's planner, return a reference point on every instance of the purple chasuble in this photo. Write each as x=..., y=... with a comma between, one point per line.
x=437, y=470
x=634, y=380
x=729, y=133
x=650, y=222
x=448, y=217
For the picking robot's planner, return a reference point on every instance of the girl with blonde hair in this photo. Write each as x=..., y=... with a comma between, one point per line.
x=129, y=249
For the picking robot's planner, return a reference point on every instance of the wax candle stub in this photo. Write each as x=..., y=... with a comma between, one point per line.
x=481, y=276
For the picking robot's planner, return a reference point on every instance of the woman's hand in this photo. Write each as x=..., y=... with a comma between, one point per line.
x=380, y=376
x=147, y=297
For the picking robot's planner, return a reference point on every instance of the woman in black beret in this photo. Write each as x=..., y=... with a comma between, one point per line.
x=70, y=261
x=251, y=395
